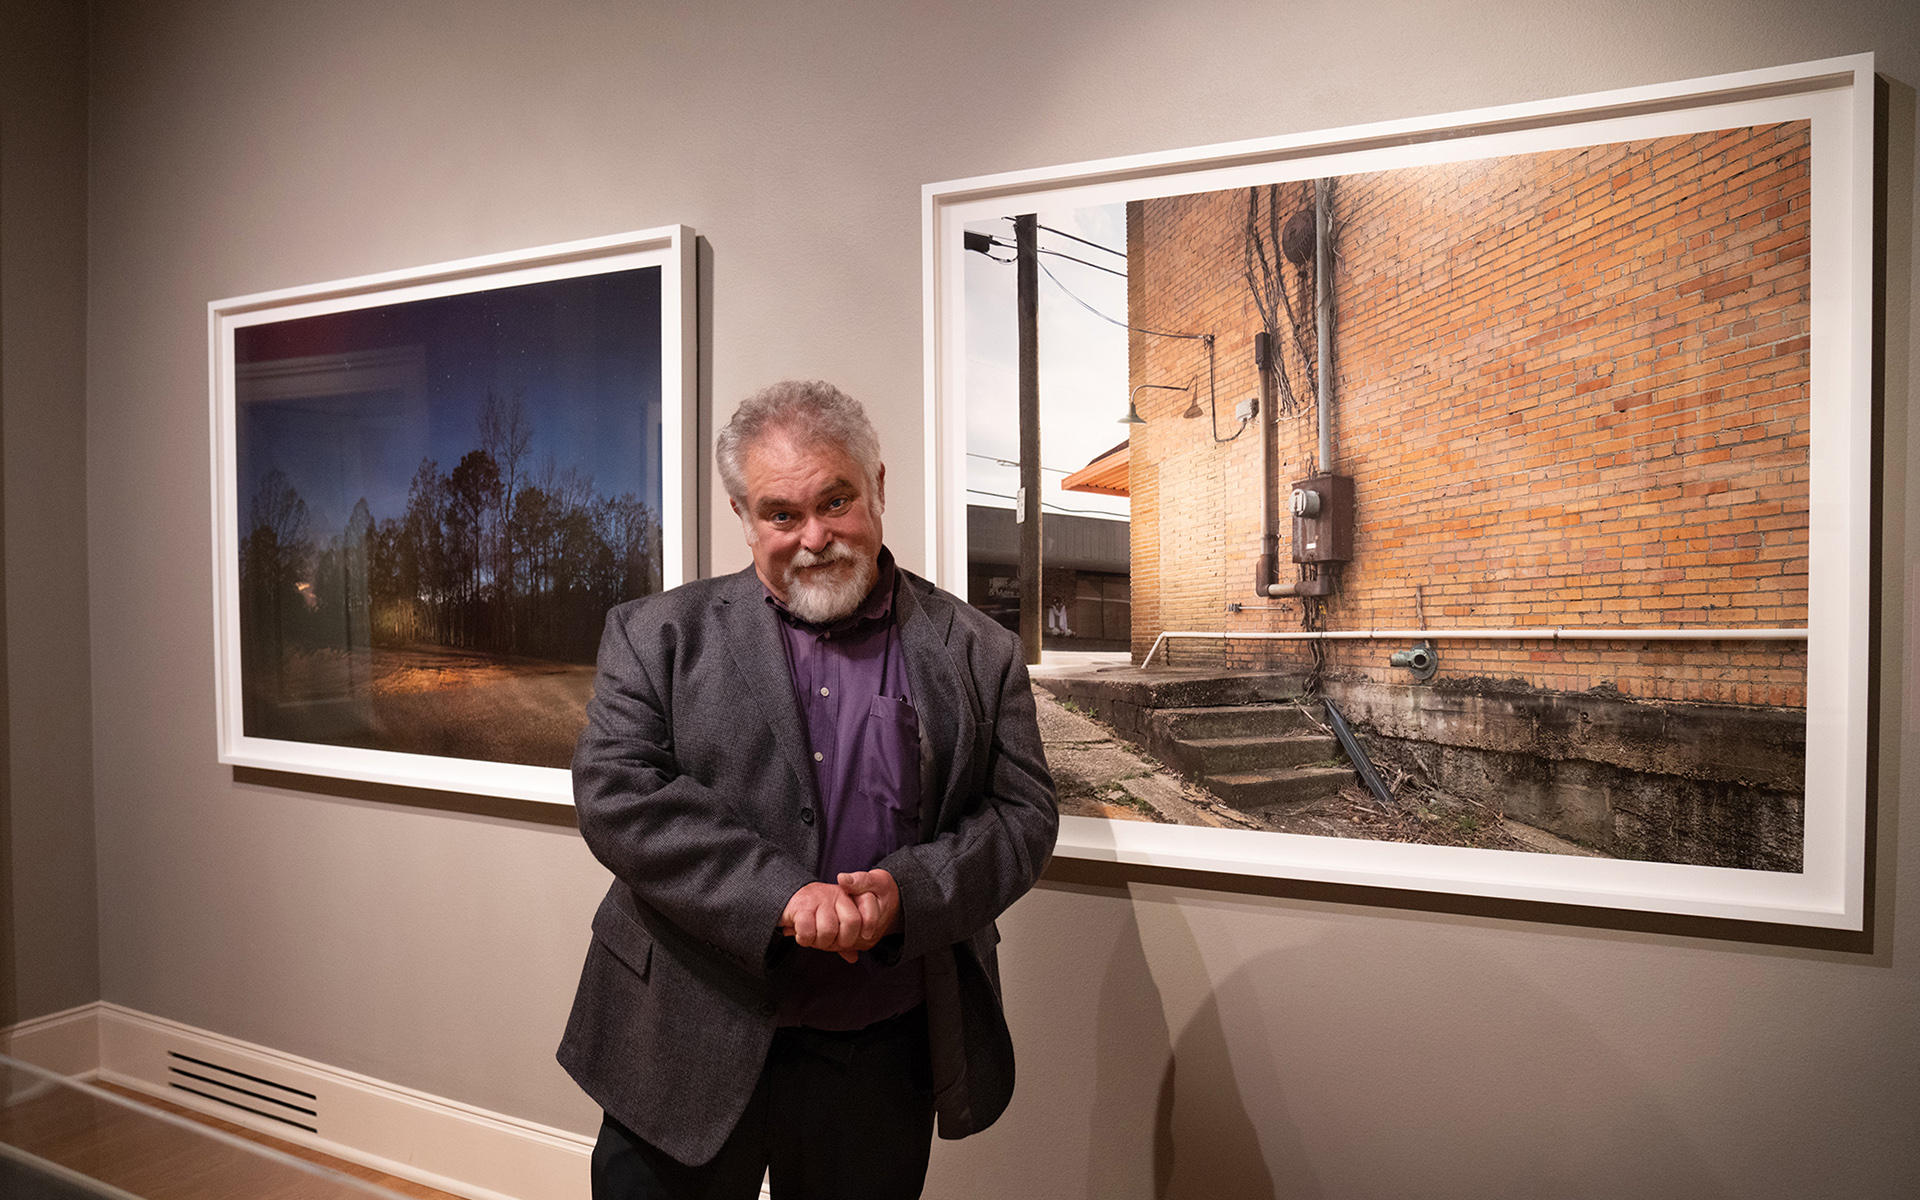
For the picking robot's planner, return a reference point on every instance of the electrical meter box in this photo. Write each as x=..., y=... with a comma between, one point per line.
x=1322, y=510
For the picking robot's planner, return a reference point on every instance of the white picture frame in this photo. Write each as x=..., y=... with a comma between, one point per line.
x=1837, y=97
x=375, y=366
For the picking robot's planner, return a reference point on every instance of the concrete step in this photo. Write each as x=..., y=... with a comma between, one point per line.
x=1252, y=791
x=1233, y=721
x=1225, y=755
x=1168, y=688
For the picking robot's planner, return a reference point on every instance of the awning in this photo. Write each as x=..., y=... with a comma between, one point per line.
x=1104, y=476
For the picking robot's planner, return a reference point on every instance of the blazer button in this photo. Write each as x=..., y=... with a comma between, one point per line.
x=806, y=816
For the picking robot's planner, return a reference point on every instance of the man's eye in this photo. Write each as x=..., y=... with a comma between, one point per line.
x=836, y=505
x=779, y=518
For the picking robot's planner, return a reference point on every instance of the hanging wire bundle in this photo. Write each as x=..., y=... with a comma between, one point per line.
x=1270, y=245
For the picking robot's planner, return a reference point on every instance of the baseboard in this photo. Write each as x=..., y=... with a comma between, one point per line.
x=401, y=1131
x=66, y=1043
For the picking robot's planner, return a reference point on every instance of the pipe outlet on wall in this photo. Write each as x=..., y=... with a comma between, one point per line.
x=1423, y=660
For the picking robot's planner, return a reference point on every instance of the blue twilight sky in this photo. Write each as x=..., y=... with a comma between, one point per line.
x=347, y=404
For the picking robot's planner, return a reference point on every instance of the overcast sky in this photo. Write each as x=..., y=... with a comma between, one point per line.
x=1083, y=360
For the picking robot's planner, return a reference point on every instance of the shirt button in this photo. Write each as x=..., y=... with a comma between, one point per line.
x=825, y=692
x=806, y=816
x=818, y=757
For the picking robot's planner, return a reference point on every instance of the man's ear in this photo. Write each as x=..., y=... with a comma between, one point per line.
x=746, y=523
x=880, y=485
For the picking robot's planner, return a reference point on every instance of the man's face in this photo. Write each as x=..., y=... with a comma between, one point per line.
x=812, y=523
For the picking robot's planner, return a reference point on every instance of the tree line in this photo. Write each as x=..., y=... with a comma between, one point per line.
x=488, y=555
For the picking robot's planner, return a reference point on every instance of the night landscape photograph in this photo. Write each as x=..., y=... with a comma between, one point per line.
x=438, y=501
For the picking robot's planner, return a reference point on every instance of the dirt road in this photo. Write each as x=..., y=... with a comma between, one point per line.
x=434, y=700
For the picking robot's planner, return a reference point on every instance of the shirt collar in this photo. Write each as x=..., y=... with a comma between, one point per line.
x=878, y=605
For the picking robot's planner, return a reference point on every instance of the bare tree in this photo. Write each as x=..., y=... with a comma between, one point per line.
x=505, y=434
x=273, y=557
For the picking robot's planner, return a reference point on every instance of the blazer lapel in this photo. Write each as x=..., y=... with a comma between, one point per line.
x=752, y=633
x=941, y=698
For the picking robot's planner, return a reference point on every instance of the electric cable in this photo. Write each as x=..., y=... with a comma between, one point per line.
x=1083, y=262
x=1085, y=512
x=1007, y=462
x=1197, y=337
x=1083, y=241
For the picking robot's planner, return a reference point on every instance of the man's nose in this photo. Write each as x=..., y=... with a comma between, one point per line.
x=815, y=535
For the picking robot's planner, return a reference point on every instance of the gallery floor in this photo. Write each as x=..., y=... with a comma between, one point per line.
x=67, y=1142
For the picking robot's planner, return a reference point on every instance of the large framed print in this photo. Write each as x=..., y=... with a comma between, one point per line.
x=1537, y=437
x=429, y=486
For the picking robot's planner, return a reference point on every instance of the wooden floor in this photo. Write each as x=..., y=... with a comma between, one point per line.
x=153, y=1158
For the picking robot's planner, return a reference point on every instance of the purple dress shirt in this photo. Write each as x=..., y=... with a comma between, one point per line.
x=850, y=680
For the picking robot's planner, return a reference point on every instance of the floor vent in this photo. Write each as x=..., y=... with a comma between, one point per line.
x=256, y=1094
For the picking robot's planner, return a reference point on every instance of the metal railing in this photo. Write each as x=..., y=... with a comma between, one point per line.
x=1616, y=633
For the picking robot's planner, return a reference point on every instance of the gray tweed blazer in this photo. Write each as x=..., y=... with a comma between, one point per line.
x=690, y=782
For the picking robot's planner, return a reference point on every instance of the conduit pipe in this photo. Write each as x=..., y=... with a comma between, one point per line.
x=1269, y=465
x=1508, y=635
x=1323, y=326
x=1322, y=584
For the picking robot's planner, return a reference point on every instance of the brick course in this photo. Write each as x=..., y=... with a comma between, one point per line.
x=1571, y=388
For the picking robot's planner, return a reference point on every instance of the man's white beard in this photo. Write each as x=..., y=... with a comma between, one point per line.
x=825, y=598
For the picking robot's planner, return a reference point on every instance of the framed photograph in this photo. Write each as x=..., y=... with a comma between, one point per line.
x=429, y=486
x=1475, y=503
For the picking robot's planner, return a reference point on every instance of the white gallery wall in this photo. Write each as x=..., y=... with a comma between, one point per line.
x=1176, y=1040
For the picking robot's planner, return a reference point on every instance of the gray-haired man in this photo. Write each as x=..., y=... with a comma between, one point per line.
x=816, y=782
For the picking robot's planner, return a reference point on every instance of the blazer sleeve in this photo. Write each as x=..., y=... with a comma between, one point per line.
x=956, y=884
x=686, y=850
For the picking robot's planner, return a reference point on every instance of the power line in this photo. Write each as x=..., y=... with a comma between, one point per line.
x=1084, y=242
x=1006, y=245
x=1084, y=512
x=1083, y=262
x=1115, y=320
x=1007, y=462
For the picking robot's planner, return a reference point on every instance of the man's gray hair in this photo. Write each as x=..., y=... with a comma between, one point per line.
x=807, y=410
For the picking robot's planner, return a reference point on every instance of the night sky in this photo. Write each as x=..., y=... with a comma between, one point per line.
x=347, y=404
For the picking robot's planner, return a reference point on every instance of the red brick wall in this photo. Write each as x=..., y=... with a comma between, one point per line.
x=1571, y=389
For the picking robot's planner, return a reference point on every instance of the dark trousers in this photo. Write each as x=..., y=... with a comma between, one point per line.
x=834, y=1116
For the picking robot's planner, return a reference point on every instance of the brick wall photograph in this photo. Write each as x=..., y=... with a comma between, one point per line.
x=1571, y=390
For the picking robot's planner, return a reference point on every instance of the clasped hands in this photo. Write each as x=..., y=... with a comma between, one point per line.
x=845, y=919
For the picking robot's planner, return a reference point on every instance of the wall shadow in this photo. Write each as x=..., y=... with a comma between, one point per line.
x=1176, y=1098
x=498, y=808
x=1321, y=1068
x=1206, y=1142
x=1893, y=658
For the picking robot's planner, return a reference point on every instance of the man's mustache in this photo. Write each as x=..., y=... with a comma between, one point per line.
x=833, y=553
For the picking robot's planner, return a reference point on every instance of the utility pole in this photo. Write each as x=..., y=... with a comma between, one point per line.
x=1027, y=513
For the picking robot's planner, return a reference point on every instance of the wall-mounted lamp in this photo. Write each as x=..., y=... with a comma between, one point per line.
x=1133, y=416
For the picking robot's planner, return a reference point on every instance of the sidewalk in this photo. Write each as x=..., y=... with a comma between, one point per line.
x=1096, y=774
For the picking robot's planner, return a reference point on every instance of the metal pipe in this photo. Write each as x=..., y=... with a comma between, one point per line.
x=1545, y=635
x=1263, y=352
x=1323, y=325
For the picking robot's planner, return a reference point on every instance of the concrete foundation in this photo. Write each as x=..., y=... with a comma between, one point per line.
x=1712, y=785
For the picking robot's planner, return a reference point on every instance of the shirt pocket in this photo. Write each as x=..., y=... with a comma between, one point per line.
x=893, y=744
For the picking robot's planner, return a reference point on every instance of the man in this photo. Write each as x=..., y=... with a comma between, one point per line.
x=816, y=782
